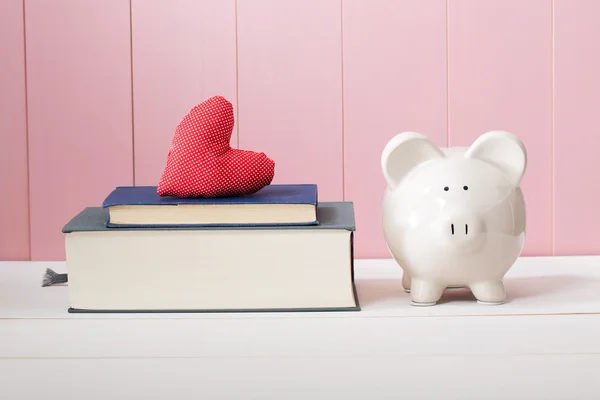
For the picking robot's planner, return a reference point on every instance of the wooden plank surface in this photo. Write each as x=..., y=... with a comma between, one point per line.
x=321, y=120
x=557, y=376
x=394, y=81
x=184, y=52
x=290, y=89
x=576, y=139
x=500, y=77
x=14, y=206
x=79, y=91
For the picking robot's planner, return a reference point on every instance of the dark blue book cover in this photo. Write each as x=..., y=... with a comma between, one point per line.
x=276, y=194
x=272, y=194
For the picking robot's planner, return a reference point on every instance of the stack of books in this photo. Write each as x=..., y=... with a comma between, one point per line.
x=279, y=249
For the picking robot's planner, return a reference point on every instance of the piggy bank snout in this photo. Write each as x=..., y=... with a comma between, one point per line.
x=462, y=232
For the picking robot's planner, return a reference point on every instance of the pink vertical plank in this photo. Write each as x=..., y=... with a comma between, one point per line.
x=290, y=89
x=394, y=81
x=14, y=206
x=500, y=77
x=79, y=96
x=183, y=53
x=576, y=138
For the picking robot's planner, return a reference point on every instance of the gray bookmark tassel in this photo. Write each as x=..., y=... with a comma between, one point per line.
x=53, y=278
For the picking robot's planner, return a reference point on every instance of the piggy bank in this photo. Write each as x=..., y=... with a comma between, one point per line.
x=454, y=217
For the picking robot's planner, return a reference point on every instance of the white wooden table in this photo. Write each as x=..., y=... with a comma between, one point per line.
x=544, y=343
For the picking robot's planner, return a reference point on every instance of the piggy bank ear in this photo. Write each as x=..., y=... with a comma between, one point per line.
x=404, y=152
x=503, y=150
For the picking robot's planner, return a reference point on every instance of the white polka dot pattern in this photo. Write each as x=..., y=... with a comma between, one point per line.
x=201, y=163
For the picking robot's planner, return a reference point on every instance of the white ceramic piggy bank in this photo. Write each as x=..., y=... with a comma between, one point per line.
x=454, y=217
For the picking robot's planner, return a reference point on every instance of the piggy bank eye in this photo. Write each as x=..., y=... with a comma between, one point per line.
x=446, y=188
x=465, y=187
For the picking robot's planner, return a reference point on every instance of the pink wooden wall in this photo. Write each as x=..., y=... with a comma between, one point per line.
x=90, y=94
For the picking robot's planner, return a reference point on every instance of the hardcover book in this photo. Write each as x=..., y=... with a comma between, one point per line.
x=284, y=204
x=212, y=269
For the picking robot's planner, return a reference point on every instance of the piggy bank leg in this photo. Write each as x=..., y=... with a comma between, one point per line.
x=425, y=293
x=406, y=281
x=491, y=292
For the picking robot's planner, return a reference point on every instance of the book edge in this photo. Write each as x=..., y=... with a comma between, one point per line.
x=314, y=199
x=350, y=227
x=179, y=226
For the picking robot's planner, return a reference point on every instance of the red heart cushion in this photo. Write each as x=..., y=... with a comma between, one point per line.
x=201, y=163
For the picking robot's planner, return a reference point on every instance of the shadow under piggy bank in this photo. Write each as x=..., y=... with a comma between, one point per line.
x=373, y=291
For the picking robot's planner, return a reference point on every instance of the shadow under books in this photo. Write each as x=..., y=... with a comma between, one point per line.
x=373, y=291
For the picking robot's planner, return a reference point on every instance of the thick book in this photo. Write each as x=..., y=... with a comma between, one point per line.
x=282, y=204
x=212, y=269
